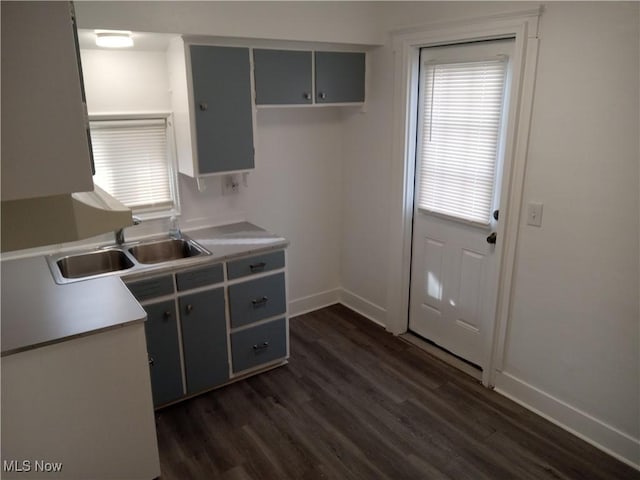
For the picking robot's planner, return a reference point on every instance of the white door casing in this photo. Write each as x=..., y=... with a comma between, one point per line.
x=454, y=272
x=523, y=27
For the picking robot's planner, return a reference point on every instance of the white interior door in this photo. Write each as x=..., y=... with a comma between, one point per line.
x=461, y=123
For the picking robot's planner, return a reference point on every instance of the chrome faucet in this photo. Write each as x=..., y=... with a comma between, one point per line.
x=120, y=232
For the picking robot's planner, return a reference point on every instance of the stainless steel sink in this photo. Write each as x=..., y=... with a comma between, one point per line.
x=128, y=259
x=166, y=250
x=94, y=263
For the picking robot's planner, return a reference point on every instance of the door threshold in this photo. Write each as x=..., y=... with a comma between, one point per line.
x=442, y=354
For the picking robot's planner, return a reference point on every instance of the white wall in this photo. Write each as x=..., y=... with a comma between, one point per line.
x=574, y=329
x=296, y=190
x=572, y=349
x=333, y=22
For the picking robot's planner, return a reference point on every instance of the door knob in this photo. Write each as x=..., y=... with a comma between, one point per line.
x=492, y=238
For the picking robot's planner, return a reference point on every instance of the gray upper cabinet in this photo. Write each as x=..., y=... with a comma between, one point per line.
x=340, y=77
x=283, y=77
x=222, y=108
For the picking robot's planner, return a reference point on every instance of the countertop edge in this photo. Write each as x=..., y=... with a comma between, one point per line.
x=88, y=333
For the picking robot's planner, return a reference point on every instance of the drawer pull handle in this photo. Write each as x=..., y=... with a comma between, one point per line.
x=262, y=346
x=258, y=302
x=257, y=267
x=189, y=308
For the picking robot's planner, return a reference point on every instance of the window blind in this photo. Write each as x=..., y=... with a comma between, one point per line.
x=132, y=163
x=461, y=120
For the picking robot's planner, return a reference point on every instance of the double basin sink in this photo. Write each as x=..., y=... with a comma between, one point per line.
x=134, y=256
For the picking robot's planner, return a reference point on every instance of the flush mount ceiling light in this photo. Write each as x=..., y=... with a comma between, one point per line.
x=113, y=39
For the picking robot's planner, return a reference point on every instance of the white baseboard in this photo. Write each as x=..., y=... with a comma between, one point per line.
x=363, y=306
x=592, y=430
x=313, y=302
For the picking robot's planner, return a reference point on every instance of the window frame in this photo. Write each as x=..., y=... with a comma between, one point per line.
x=172, y=158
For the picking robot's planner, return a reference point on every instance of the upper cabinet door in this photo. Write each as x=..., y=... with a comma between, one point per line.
x=45, y=147
x=340, y=77
x=222, y=108
x=282, y=77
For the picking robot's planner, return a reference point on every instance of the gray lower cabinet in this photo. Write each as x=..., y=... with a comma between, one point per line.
x=283, y=77
x=256, y=264
x=340, y=77
x=258, y=345
x=193, y=339
x=222, y=106
x=257, y=299
x=164, y=352
x=204, y=339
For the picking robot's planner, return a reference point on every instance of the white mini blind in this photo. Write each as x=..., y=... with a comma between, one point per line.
x=132, y=164
x=461, y=121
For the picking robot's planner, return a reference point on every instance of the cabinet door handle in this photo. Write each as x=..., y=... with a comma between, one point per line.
x=261, y=346
x=257, y=267
x=322, y=95
x=167, y=314
x=258, y=302
x=151, y=361
x=306, y=95
x=204, y=106
x=189, y=308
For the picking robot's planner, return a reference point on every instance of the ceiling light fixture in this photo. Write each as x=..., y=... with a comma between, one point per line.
x=113, y=39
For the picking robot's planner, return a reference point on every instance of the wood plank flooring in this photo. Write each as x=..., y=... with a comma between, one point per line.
x=355, y=402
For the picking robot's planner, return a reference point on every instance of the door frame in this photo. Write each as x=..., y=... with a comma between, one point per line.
x=522, y=26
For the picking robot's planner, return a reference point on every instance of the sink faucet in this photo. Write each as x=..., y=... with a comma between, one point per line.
x=120, y=232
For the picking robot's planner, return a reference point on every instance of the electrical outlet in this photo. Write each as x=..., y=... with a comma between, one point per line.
x=534, y=214
x=230, y=184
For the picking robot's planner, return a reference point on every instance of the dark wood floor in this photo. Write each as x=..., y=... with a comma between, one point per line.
x=354, y=402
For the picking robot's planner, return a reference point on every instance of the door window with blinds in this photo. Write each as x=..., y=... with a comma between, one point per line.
x=460, y=116
x=134, y=164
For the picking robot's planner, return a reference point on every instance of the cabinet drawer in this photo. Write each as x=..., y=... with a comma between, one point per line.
x=257, y=264
x=200, y=277
x=257, y=299
x=151, y=287
x=259, y=345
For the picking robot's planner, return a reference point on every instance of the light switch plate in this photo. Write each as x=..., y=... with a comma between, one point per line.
x=534, y=214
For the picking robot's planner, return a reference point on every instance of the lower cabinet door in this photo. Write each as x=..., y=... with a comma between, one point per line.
x=164, y=352
x=259, y=345
x=204, y=339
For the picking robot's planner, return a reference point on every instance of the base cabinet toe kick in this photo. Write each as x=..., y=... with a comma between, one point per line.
x=213, y=324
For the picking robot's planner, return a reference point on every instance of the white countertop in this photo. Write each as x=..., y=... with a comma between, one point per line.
x=36, y=311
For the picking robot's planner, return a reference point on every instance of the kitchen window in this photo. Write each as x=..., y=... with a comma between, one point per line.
x=134, y=162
